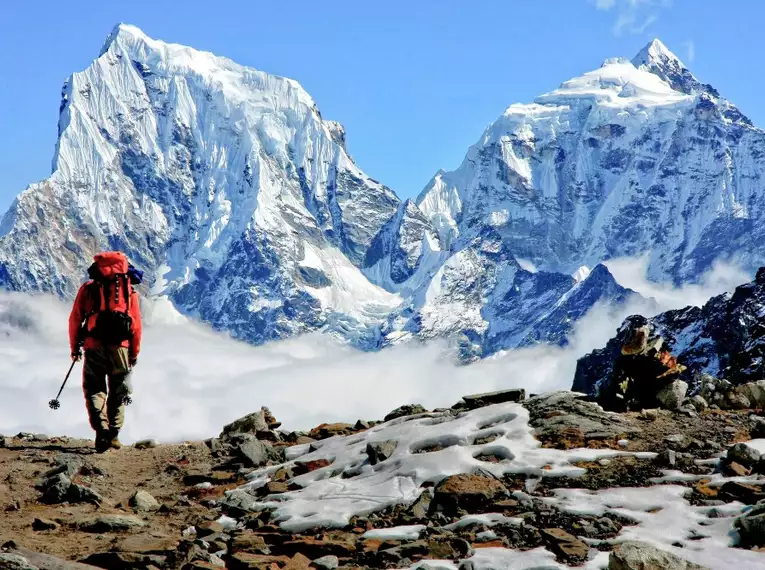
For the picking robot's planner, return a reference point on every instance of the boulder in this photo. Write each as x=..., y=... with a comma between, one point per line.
x=467, y=493
x=143, y=502
x=55, y=489
x=379, y=451
x=742, y=454
x=671, y=397
x=406, y=410
x=635, y=555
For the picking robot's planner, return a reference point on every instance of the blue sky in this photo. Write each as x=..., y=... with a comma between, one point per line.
x=414, y=82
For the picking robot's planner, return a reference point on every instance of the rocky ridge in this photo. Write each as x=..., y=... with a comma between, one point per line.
x=216, y=504
x=715, y=352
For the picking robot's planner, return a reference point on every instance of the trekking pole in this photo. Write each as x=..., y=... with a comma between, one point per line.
x=54, y=403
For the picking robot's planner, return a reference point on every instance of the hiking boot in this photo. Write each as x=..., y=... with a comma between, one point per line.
x=102, y=442
x=114, y=441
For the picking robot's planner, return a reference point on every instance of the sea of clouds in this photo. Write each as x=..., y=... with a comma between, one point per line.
x=190, y=380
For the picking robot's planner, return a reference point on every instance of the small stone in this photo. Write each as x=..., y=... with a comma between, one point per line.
x=325, y=431
x=145, y=444
x=699, y=403
x=250, y=424
x=758, y=427
x=649, y=414
x=623, y=443
x=326, y=563
x=111, y=523
x=565, y=545
x=671, y=397
x=420, y=508
x=43, y=524
x=379, y=451
x=734, y=469
x=143, y=502
x=677, y=441
x=667, y=458
x=743, y=454
x=737, y=401
x=83, y=494
x=360, y=425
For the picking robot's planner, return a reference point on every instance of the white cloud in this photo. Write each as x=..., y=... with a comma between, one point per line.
x=690, y=50
x=190, y=381
x=632, y=273
x=633, y=16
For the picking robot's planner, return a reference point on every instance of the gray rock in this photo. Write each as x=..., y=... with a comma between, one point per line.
x=379, y=451
x=699, y=403
x=10, y=561
x=143, y=502
x=406, y=410
x=251, y=423
x=42, y=525
x=751, y=528
x=145, y=444
x=326, y=563
x=671, y=397
x=736, y=401
x=421, y=507
x=479, y=400
x=66, y=463
x=55, y=489
x=83, y=494
x=111, y=523
x=754, y=392
x=4, y=442
x=678, y=441
x=758, y=427
x=642, y=556
x=556, y=411
x=743, y=454
x=257, y=452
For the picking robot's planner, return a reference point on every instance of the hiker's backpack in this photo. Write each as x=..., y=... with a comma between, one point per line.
x=110, y=322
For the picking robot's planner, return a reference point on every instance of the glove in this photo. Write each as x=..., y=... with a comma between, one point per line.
x=132, y=361
x=76, y=356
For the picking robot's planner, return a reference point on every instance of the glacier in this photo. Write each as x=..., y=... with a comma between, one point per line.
x=245, y=209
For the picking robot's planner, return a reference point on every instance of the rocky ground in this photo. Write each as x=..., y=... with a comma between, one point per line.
x=184, y=506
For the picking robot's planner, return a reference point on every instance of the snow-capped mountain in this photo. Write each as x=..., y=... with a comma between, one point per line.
x=242, y=204
x=634, y=157
x=220, y=180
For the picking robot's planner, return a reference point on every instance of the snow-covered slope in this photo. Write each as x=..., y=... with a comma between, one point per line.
x=221, y=179
x=634, y=157
x=243, y=206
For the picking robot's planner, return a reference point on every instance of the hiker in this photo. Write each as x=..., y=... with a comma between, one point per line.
x=106, y=322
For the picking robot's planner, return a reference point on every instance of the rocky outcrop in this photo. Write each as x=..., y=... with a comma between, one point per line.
x=724, y=339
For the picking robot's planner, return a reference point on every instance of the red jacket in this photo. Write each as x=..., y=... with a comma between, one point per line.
x=85, y=306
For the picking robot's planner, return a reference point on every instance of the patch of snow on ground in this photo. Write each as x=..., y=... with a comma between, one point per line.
x=405, y=532
x=328, y=499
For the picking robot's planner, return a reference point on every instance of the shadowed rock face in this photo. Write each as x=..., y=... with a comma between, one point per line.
x=725, y=338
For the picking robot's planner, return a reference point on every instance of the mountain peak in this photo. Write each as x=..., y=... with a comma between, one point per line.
x=655, y=52
x=123, y=31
